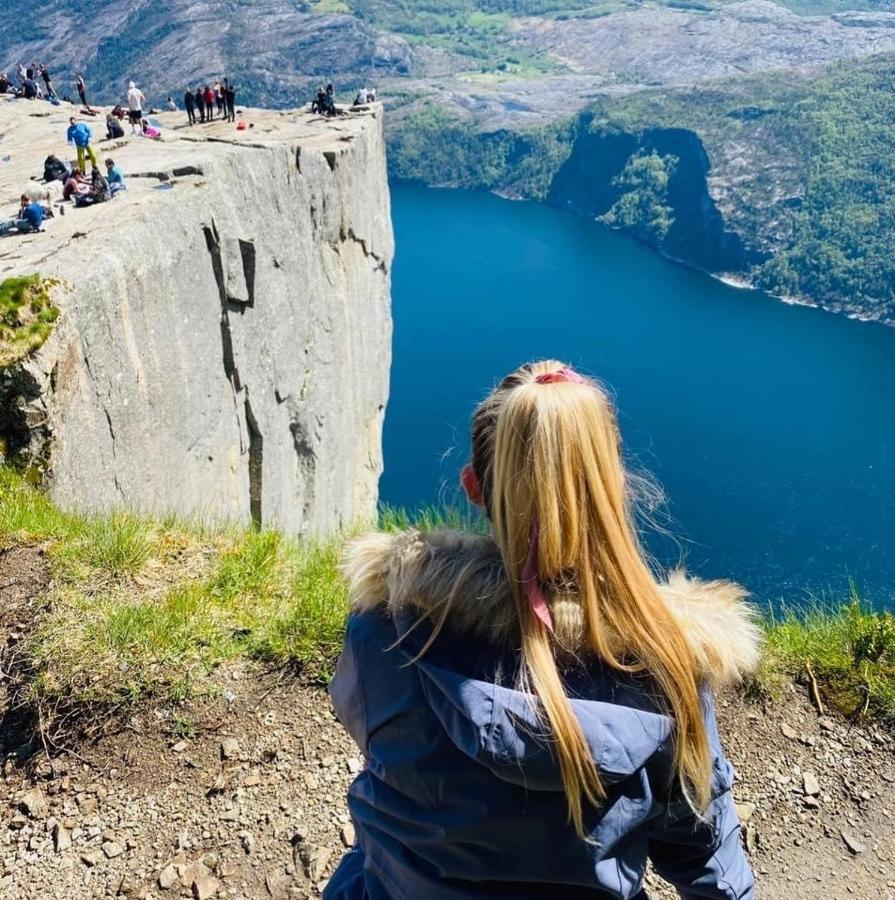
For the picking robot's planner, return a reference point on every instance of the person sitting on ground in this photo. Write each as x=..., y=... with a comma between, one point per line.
x=29, y=89
x=99, y=191
x=76, y=184
x=4, y=83
x=172, y=106
x=80, y=135
x=534, y=706
x=371, y=95
x=115, y=177
x=149, y=130
x=29, y=218
x=318, y=104
x=113, y=127
x=118, y=112
x=361, y=97
x=56, y=169
x=330, y=105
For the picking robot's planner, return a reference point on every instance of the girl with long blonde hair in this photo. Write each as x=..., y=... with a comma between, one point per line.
x=535, y=707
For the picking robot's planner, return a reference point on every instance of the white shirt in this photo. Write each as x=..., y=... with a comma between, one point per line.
x=135, y=98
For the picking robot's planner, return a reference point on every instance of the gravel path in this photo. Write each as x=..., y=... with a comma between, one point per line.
x=243, y=796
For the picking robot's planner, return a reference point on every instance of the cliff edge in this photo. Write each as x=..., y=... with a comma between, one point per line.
x=223, y=344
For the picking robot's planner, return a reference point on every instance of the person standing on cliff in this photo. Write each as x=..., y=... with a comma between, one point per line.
x=230, y=100
x=81, y=85
x=45, y=74
x=189, y=104
x=200, y=103
x=80, y=135
x=209, y=103
x=135, y=102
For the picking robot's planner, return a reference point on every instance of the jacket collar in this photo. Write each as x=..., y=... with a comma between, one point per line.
x=460, y=575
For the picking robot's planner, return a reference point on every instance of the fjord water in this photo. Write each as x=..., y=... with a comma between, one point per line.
x=771, y=427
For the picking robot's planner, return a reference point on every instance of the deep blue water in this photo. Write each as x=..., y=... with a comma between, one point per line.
x=770, y=427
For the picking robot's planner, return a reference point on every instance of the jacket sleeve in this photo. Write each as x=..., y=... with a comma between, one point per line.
x=703, y=856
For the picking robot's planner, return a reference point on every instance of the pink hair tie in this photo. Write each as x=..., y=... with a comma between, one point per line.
x=530, y=586
x=564, y=374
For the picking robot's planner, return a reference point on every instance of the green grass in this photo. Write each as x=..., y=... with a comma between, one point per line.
x=849, y=650
x=27, y=315
x=145, y=611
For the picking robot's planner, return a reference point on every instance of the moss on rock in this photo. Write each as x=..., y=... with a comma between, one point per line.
x=27, y=316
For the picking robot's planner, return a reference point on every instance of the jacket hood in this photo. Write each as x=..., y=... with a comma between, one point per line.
x=395, y=578
x=460, y=576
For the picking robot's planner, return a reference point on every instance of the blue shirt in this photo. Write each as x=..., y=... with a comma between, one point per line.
x=79, y=134
x=115, y=176
x=33, y=214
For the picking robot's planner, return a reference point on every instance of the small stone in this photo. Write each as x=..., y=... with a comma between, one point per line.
x=112, y=849
x=61, y=838
x=745, y=812
x=276, y=884
x=853, y=844
x=314, y=860
x=347, y=834
x=252, y=780
x=34, y=803
x=827, y=724
x=229, y=815
x=179, y=747
x=229, y=748
x=204, y=887
x=810, y=784
x=812, y=802
x=248, y=840
x=353, y=765
x=192, y=872
x=87, y=806
x=788, y=731
x=91, y=859
x=168, y=878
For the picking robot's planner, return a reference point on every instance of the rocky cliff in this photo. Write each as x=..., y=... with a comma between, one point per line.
x=223, y=347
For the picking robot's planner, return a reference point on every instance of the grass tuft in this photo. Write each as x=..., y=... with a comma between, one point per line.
x=850, y=651
x=27, y=316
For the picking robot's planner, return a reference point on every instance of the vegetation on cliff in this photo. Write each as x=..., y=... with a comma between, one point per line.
x=27, y=314
x=799, y=172
x=142, y=610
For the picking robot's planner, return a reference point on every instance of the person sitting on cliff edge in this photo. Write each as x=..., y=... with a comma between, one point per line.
x=115, y=177
x=30, y=217
x=535, y=707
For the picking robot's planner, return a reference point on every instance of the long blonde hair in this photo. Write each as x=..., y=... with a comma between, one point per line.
x=547, y=456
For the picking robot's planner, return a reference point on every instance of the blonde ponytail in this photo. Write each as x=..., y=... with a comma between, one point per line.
x=546, y=451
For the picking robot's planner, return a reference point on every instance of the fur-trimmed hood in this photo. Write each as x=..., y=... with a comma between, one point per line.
x=463, y=573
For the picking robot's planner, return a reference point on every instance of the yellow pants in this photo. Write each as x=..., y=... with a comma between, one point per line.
x=89, y=151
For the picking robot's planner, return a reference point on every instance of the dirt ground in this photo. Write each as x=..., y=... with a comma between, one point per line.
x=243, y=795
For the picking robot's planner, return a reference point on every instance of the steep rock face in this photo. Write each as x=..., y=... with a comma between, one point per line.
x=588, y=181
x=224, y=345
